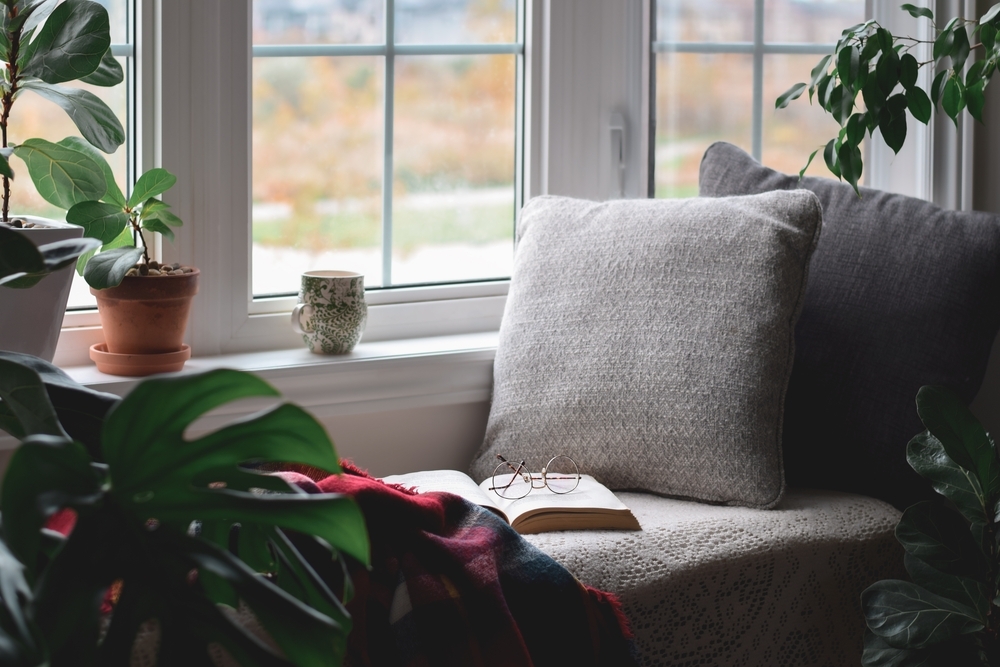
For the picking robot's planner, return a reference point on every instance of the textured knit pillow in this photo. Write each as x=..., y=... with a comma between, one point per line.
x=901, y=294
x=651, y=341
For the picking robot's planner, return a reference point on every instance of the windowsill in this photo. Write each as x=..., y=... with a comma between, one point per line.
x=374, y=377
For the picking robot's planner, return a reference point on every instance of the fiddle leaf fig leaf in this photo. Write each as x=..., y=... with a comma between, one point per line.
x=919, y=104
x=158, y=226
x=970, y=592
x=964, y=439
x=908, y=616
x=5, y=169
x=18, y=255
x=151, y=184
x=961, y=650
x=108, y=269
x=96, y=121
x=113, y=195
x=927, y=456
x=39, y=12
x=99, y=220
x=70, y=45
x=917, y=12
x=61, y=175
x=122, y=240
x=792, y=93
x=108, y=73
x=937, y=536
x=23, y=393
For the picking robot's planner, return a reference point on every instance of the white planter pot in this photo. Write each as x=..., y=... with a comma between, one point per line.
x=30, y=319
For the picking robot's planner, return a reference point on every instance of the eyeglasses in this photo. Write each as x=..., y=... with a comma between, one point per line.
x=512, y=480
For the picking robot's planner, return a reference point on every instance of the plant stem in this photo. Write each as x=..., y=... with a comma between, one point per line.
x=134, y=221
x=7, y=101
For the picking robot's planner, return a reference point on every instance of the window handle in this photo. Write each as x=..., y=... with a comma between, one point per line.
x=617, y=126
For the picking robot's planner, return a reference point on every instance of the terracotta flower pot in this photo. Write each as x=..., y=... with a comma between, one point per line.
x=147, y=314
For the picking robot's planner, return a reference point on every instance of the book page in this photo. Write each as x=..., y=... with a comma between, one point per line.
x=590, y=505
x=450, y=481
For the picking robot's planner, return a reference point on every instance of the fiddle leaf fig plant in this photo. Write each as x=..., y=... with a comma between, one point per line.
x=43, y=44
x=119, y=223
x=880, y=67
x=169, y=528
x=949, y=613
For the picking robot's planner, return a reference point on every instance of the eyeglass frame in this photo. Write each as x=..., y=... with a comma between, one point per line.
x=520, y=470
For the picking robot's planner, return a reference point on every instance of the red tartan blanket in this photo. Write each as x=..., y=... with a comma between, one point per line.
x=452, y=584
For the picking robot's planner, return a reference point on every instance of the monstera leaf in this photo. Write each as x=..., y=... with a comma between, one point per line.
x=177, y=524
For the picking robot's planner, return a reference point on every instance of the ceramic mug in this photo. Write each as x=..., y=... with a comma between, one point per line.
x=331, y=312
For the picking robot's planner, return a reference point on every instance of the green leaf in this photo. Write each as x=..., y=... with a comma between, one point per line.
x=937, y=87
x=887, y=72
x=122, y=240
x=5, y=169
x=975, y=73
x=988, y=35
x=885, y=41
x=99, y=220
x=964, y=439
x=841, y=104
x=158, y=226
x=114, y=194
x=167, y=217
x=848, y=62
x=96, y=122
x=109, y=268
x=802, y=172
x=39, y=12
x=960, y=49
x=62, y=176
x=917, y=12
x=22, y=391
x=18, y=255
x=46, y=474
x=151, y=206
x=151, y=184
x=823, y=89
x=893, y=128
x=819, y=70
x=856, y=126
x=990, y=14
x=849, y=157
x=944, y=42
x=939, y=537
x=108, y=74
x=908, y=70
x=873, y=96
x=792, y=93
x=927, y=456
x=919, y=104
x=70, y=45
x=908, y=616
x=975, y=100
x=962, y=650
x=18, y=644
x=830, y=157
x=970, y=592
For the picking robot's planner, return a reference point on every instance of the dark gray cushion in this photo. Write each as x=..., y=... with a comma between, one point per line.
x=901, y=294
x=651, y=341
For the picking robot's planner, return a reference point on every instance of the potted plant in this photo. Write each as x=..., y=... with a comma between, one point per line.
x=44, y=44
x=171, y=530
x=143, y=305
x=872, y=62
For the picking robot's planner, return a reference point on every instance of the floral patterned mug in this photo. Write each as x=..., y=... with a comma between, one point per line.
x=331, y=312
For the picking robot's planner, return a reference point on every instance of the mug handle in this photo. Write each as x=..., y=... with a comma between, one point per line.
x=297, y=312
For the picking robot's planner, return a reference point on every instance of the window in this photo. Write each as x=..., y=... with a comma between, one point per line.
x=384, y=140
x=720, y=64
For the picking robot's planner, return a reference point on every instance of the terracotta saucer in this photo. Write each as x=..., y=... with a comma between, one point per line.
x=138, y=364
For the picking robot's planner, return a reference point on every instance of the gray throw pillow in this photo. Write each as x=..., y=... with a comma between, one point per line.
x=901, y=294
x=651, y=341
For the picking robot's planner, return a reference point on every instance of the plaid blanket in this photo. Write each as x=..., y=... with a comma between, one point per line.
x=452, y=584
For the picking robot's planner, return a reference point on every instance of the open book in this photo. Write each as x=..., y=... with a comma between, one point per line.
x=590, y=505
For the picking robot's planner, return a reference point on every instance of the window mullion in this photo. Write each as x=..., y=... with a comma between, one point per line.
x=387, y=139
x=757, y=117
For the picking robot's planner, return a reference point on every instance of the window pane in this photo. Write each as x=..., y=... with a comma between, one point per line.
x=700, y=21
x=699, y=99
x=792, y=133
x=453, y=212
x=317, y=169
x=455, y=21
x=118, y=13
x=816, y=21
x=318, y=22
